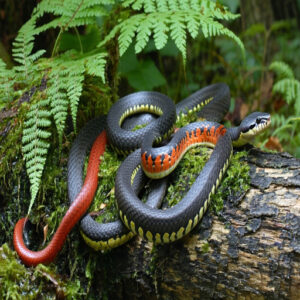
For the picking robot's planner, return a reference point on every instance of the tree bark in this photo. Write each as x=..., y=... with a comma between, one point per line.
x=251, y=251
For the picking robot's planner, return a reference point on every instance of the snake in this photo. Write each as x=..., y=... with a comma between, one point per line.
x=159, y=112
x=207, y=95
x=168, y=225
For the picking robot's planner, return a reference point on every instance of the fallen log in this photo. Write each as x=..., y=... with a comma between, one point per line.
x=250, y=251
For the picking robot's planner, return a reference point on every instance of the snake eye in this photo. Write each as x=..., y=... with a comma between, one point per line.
x=258, y=121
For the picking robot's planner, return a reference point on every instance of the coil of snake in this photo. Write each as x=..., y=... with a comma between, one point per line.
x=145, y=219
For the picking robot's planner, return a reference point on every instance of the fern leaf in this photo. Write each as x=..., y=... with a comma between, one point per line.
x=195, y=5
x=290, y=89
x=160, y=32
x=95, y=65
x=211, y=27
x=162, y=6
x=193, y=24
x=74, y=92
x=172, y=18
x=6, y=83
x=128, y=32
x=178, y=34
x=58, y=102
x=71, y=13
x=173, y=5
x=184, y=4
x=143, y=34
x=35, y=145
x=282, y=69
x=147, y=5
x=22, y=48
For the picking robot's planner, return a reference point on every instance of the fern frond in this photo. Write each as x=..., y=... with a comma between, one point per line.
x=6, y=83
x=211, y=27
x=143, y=34
x=193, y=24
x=74, y=91
x=58, y=102
x=22, y=48
x=173, y=5
x=178, y=33
x=160, y=31
x=71, y=13
x=66, y=82
x=35, y=144
x=171, y=18
x=290, y=89
x=281, y=69
x=278, y=120
x=286, y=127
x=128, y=31
x=95, y=65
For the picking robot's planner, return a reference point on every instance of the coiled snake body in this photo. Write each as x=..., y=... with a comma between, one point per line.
x=160, y=226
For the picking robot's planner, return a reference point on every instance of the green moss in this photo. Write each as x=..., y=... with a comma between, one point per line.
x=235, y=181
x=205, y=248
x=105, y=195
x=19, y=282
x=236, y=178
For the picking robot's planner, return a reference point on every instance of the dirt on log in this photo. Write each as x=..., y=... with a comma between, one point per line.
x=250, y=251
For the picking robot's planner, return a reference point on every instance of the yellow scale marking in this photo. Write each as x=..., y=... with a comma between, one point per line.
x=132, y=227
x=166, y=237
x=173, y=237
x=141, y=232
x=180, y=233
x=189, y=226
x=149, y=236
x=157, y=238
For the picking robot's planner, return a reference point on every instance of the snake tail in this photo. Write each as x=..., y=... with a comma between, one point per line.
x=72, y=216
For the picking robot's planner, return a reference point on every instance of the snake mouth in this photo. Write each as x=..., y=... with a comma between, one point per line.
x=263, y=125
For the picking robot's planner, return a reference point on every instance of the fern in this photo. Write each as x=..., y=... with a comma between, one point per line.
x=287, y=128
x=282, y=69
x=290, y=88
x=173, y=18
x=64, y=87
x=6, y=83
x=95, y=65
x=35, y=143
x=71, y=13
x=66, y=72
x=22, y=48
x=287, y=85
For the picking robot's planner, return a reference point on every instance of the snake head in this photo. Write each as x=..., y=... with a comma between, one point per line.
x=251, y=126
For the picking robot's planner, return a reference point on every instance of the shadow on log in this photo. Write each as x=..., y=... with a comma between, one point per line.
x=250, y=251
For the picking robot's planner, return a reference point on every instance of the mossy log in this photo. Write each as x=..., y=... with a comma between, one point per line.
x=250, y=251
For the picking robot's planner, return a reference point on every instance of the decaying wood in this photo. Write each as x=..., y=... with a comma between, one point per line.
x=251, y=251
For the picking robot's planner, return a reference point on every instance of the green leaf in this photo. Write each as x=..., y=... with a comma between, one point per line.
x=282, y=69
x=143, y=34
x=145, y=77
x=95, y=65
x=128, y=31
x=178, y=34
x=254, y=30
